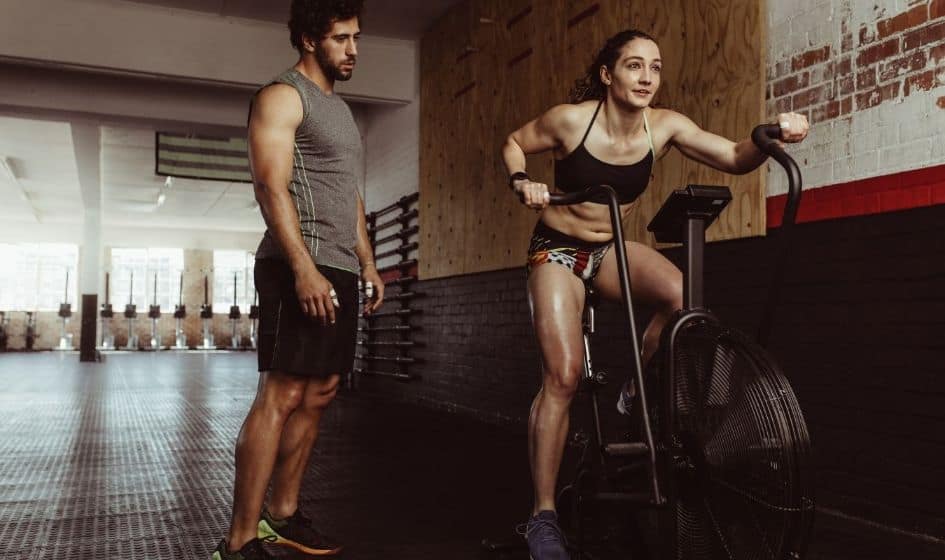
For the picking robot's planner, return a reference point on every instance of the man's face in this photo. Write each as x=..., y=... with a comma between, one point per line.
x=337, y=52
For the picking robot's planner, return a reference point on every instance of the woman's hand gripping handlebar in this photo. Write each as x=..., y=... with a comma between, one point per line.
x=531, y=193
x=536, y=196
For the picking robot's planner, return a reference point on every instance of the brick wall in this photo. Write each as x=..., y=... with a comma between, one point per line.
x=477, y=350
x=870, y=76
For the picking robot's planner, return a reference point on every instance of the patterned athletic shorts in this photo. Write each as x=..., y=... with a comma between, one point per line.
x=581, y=257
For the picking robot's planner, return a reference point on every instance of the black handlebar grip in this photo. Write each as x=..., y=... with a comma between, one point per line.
x=766, y=137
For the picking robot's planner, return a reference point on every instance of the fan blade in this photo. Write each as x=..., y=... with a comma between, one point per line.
x=720, y=386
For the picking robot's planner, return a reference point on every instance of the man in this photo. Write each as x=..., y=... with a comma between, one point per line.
x=305, y=155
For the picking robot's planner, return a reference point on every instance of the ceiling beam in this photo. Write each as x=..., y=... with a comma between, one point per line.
x=170, y=44
x=123, y=100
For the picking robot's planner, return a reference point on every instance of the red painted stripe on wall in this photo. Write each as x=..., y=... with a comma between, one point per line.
x=875, y=195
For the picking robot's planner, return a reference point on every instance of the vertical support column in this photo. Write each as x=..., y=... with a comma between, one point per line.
x=89, y=284
x=87, y=144
x=197, y=262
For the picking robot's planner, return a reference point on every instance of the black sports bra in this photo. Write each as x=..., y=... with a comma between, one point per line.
x=579, y=170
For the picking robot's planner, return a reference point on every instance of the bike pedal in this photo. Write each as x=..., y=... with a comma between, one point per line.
x=635, y=449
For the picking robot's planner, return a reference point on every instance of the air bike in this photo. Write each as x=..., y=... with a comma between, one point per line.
x=722, y=449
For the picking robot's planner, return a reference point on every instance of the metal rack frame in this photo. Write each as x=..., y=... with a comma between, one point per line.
x=399, y=293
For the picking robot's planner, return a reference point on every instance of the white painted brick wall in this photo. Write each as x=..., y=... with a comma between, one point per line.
x=903, y=133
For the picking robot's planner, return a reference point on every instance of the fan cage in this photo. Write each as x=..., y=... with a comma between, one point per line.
x=737, y=455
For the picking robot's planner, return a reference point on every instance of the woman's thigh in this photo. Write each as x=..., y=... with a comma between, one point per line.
x=556, y=297
x=653, y=278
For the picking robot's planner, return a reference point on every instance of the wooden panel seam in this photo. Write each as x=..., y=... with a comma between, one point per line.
x=583, y=15
x=520, y=57
x=518, y=17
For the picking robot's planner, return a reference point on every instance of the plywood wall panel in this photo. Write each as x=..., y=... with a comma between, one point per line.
x=489, y=66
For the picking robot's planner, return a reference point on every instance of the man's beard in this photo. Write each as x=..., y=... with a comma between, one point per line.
x=331, y=71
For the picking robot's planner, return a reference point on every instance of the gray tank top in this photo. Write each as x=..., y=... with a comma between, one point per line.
x=326, y=176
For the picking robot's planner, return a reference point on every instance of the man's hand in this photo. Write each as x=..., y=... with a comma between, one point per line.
x=369, y=275
x=316, y=295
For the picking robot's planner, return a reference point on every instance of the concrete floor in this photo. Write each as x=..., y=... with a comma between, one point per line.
x=132, y=458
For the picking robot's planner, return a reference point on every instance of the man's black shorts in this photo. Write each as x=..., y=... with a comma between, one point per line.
x=293, y=343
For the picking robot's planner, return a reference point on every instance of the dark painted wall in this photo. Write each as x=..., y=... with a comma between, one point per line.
x=861, y=335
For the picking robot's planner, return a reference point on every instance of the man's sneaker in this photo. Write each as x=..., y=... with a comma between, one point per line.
x=297, y=531
x=252, y=550
x=625, y=399
x=545, y=539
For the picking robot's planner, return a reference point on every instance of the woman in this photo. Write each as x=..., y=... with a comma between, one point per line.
x=608, y=135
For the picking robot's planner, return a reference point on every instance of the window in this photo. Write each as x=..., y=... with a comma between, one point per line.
x=33, y=276
x=227, y=267
x=156, y=274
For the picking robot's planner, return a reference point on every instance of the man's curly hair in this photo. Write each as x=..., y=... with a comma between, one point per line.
x=314, y=17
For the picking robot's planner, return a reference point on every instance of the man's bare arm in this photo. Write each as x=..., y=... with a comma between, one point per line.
x=363, y=247
x=276, y=114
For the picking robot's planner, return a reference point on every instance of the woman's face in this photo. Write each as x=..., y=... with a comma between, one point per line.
x=636, y=74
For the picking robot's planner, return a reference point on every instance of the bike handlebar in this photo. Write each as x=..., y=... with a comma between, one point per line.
x=564, y=199
x=766, y=137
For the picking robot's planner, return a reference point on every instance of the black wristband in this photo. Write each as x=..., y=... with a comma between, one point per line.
x=517, y=176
